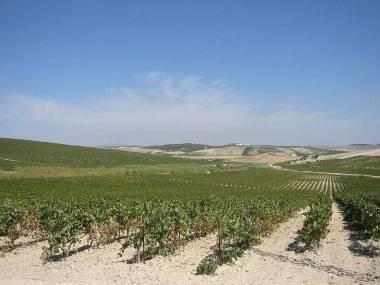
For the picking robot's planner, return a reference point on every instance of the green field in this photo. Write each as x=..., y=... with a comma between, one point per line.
x=369, y=165
x=35, y=159
x=33, y=153
x=146, y=185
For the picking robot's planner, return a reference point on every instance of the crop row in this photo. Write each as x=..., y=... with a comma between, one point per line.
x=240, y=225
x=153, y=227
x=319, y=183
x=363, y=213
x=315, y=227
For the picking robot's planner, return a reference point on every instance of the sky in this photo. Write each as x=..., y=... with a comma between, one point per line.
x=93, y=72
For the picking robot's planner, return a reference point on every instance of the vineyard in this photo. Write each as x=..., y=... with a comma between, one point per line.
x=148, y=216
x=151, y=225
x=160, y=226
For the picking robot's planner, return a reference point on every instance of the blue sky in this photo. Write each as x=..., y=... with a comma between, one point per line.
x=147, y=72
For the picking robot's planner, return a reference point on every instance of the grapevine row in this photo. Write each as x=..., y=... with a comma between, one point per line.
x=153, y=227
x=315, y=227
x=363, y=213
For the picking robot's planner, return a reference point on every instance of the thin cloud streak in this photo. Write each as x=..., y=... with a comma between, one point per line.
x=167, y=109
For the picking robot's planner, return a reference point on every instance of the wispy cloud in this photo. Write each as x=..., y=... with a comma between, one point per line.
x=168, y=109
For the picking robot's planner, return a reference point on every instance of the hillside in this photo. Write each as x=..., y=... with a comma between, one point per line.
x=191, y=149
x=15, y=152
x=253, y=154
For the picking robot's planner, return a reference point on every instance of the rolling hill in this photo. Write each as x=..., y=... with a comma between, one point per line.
x=16, y=152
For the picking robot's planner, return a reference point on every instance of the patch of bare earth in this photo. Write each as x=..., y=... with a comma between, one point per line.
x=220, y=151
x=269, y=263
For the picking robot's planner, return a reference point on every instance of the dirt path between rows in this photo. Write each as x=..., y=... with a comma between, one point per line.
x=337, y=258
x=269, y=263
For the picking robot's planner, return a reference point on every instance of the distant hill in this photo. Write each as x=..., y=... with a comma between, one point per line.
x=256, y=153
x=233, y=150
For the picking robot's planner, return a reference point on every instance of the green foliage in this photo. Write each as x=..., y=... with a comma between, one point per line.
x=315, y=227
x=208, y=266
x=240, y=224
x=363, y=214
x=361, y=204
x=10, y=218
x=153, y=227
x=247, y=183
x=17, y=219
